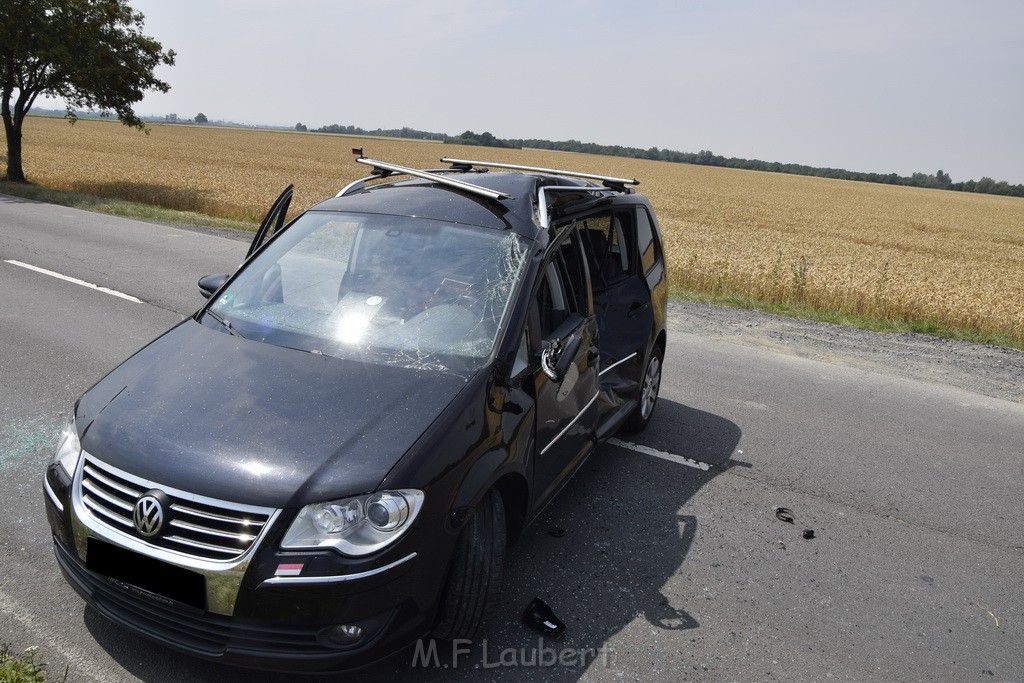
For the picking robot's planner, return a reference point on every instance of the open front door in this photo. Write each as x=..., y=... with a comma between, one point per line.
x=566, y=385
x=273, y=221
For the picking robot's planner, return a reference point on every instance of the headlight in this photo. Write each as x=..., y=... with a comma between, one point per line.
x=355, y=526
x=69, y=449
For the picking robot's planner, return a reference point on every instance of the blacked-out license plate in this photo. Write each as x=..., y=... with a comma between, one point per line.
x=155, y=579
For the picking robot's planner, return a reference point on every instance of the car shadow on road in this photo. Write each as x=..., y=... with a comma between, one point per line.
x=599, y=557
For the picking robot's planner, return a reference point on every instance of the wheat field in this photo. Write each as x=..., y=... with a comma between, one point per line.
x=898, y=253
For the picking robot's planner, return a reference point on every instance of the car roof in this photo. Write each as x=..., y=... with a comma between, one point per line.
x=432, y=200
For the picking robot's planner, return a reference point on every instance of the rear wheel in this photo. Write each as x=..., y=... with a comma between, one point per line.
x=650, y=385
x=474, y=577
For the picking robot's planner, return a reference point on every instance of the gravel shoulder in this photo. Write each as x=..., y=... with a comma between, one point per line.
x=991, y=371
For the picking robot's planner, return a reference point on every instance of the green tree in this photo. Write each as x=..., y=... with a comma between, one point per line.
x=985, y=185
x=201, y=118
x=301, y=127
x=90, y=53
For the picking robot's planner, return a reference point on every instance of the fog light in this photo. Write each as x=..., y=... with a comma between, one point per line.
x=346, y=634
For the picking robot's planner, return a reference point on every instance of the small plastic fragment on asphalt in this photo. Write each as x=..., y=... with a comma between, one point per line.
x=538, y=615
x=784, y=515
x=556, y=532
x=808, y=534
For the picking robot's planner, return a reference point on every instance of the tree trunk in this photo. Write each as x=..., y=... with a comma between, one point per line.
x=12, y=127
x=14, y=170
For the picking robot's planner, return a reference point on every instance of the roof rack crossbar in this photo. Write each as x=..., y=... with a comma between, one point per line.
x=435, y=177
x=466, y=164
x=542, y=200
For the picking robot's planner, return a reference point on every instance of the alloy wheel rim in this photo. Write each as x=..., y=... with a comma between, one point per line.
x=652, y=380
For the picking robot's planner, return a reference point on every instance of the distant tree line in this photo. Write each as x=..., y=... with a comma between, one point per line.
x=938, y=180
x=382, y=132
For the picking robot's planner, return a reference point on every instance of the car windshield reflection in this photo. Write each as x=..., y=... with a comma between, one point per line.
x=385, y=289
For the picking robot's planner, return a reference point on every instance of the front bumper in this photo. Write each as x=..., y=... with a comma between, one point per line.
x=276, y=622
x=229, y=640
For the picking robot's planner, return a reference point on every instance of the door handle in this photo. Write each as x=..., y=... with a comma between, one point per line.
x=638, y=307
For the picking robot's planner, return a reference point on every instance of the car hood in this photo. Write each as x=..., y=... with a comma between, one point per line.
x=240, y=420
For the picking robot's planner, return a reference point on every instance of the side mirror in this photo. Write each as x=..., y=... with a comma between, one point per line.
x=558, y=355
x=211, y=283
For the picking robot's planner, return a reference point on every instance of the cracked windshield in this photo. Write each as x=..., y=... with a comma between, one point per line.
x=386, y=289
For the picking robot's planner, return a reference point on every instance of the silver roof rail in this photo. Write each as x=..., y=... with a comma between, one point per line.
x=466, y=164
x=356, y=185
x=388, y=169
x=361, y=183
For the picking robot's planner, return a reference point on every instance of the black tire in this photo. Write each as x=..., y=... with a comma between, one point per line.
x=650, y=384
x=475, y=572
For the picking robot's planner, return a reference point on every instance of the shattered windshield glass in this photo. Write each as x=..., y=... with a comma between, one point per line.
x=387, y=289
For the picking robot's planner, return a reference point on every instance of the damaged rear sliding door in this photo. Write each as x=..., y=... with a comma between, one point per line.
x=622, y=304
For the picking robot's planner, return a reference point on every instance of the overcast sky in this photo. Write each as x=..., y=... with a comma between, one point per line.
x=867, y=85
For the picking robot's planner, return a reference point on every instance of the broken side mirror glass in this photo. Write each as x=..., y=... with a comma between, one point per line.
x=558, y=355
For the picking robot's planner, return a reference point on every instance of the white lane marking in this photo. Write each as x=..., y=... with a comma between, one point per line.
x=671, y=457
x=75, y=280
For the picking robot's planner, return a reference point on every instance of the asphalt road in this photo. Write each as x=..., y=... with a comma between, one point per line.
x=913, y=491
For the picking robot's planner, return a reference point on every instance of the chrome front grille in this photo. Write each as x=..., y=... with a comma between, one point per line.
x=196, y=526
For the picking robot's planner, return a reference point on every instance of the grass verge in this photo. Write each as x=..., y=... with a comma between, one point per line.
x=805, y=312
x=118, y=207
x=28, y=667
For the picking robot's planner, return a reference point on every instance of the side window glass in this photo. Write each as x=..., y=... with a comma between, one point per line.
x=563, y=289
x=619, y=246
x=551, y=300
x=522, y=359
x=574, y=275
x=273, y=221
x=647, y=246
x=606, y=248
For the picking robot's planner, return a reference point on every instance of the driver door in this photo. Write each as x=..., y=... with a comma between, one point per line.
x=566, y=383
x=273, y=221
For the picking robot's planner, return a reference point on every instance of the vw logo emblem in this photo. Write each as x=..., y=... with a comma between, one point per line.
x=148, y=515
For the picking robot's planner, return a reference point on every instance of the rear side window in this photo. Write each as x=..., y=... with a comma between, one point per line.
x=650, y=250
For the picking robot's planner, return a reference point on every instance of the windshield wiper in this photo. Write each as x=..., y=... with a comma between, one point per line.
x=225, y=323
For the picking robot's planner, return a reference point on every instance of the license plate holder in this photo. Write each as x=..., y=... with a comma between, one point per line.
x=146, y=576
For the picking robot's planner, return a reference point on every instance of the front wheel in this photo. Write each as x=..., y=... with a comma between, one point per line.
x=651, y=383
x=474, y=577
